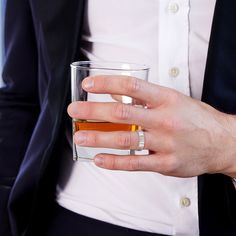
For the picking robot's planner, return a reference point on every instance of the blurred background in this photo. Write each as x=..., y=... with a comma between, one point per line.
x=2, y=6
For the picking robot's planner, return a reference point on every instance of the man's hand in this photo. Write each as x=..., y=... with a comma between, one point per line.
x=185, y=137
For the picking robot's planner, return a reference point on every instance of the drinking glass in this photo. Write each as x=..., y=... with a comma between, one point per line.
x=82, y=69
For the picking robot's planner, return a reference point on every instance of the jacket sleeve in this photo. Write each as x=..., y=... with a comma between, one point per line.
x=19, y=106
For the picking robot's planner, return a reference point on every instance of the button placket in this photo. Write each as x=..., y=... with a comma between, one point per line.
x=173, y=7
x=173, y=45
x=174, y=72
x=185, y=202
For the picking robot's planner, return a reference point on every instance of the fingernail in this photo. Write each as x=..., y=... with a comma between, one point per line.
x=80, y=139
x=72, y=109
x=88, y=83
x=99, y=161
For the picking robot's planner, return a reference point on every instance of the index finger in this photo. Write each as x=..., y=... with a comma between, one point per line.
x=149, y=93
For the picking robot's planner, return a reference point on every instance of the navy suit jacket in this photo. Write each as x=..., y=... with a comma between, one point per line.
x=41, y=39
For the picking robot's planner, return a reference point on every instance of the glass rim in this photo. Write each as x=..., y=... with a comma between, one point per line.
x=109, y=65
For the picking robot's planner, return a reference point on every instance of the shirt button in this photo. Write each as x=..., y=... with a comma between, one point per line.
x=173, y=7
x=174, y=72
x=185, y=202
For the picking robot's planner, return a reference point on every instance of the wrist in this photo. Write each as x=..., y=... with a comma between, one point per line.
x=229, y=146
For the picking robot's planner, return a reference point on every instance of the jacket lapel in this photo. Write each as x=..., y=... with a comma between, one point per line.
x=220, y=76
x=57, y=25
x=217, y=204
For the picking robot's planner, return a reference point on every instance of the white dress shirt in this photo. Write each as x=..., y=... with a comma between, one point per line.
x=172, y=38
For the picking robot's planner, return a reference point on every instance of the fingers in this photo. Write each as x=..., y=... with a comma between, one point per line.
x=126, y=85
x=124, y=140
x=128, y=163
x=115, y=140
x=112, y=112
x=163, y=164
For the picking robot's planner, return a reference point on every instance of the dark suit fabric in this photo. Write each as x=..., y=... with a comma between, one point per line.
x=217, y=205
x=61, y=222
x=42, y=38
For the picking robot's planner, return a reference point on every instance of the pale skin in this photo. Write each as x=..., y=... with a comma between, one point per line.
x=186, y=137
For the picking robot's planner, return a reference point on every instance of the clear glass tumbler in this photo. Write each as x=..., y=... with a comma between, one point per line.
x=82, y=69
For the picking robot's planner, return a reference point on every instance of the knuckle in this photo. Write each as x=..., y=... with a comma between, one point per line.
x=113, y=163
x=124, y=140
x=171, y=124
x=132, y=85
x=103, y=83
x=169, y=165
x=92, y=139
x=173, y=96
x=121, y=111
x=86, y=110
x=134, y=164
x=169, y=144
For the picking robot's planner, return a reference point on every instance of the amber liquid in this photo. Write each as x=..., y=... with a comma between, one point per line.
x=102, y=126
